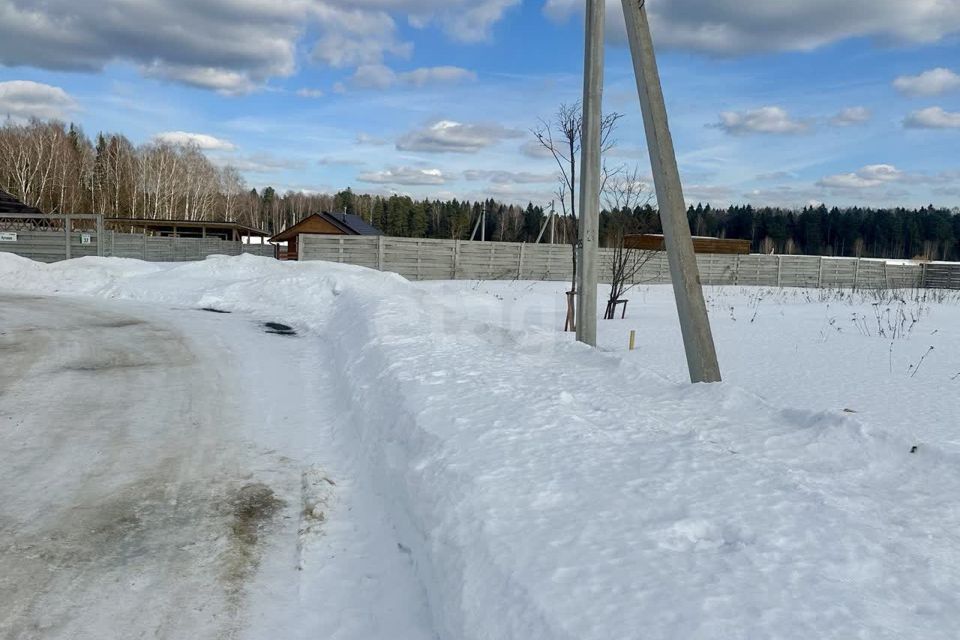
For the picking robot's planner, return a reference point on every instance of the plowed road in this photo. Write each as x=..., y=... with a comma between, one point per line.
x=173, y=473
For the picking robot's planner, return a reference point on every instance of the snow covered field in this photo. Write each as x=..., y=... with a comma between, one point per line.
x=493, y=478
x=819, y=350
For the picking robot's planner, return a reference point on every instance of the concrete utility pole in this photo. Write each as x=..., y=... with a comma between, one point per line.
x=590, y=173
x=694, y=322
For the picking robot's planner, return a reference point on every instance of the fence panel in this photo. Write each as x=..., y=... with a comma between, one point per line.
x=453, y=259
x=872, y=274
x=839, y=272
x=50, y=246
x=716, y=269
x=800, y=271
x=942, y=275
x=489, y=261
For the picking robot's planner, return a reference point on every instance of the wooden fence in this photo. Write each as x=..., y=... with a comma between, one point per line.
x=463, y=260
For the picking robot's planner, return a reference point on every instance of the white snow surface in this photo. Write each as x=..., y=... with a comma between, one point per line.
x=544, y=490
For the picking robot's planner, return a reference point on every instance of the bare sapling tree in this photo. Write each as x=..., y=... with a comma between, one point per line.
x=624, y=193
x=561, y=137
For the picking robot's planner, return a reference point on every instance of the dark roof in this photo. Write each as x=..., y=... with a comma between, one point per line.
x=9, y=204
x=349, y=224
x=356, y=224
x=185, y=224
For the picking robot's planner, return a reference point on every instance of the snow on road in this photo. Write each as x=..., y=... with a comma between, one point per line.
x=496, y=480
x=169, y=473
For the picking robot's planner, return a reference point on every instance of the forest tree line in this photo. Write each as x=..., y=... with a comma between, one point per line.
x=59, y=169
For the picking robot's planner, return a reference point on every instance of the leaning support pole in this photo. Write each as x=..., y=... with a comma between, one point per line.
x=590, y=173
x=694, y=322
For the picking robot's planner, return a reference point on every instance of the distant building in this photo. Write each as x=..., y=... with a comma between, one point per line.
x=9, y=204
x=656, y=242
x=230, y=231
x=324, y=224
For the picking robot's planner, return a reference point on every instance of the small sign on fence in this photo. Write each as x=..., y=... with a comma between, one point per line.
x=86, y=238
x=8, y=237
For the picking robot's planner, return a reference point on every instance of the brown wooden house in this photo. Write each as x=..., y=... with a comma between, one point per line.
x=656, y=242
x=324, y=224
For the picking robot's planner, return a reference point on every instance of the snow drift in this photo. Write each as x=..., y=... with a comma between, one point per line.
x=548, y=491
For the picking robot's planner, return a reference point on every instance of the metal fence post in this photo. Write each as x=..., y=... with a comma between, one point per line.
x=380, y=243
x=820, y=274
x=520, y=265
x=856, y=275
x=100, y=250
x=419, y=259
x=68, y=231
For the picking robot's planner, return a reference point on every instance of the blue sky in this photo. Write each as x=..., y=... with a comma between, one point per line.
x=771, y=103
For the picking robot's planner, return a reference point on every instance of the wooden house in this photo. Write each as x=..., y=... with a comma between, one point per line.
x=324, y=224
x=655, y=242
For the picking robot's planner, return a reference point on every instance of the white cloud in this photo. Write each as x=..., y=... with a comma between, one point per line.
x=714, y=194
x=869, y=177
x=519, y=194
x=334, y=161
x=230, y=46
x=508, y=177
x=366, y=138
x=23, y=99
x=437, y=75
x=882, y=172
x=404, y=176
x=374, y=76
x=773, y=120
x=933, y=118
x=356, y=37
x=851, y=116
x=884, y=182
x=309, y=93
x=199, y=140
x=223, y=81
x=742, y=26
x=472, y=20
x=446, y=136
x=784, y=196
x=775, y=175
x=935, y=82
x=264, y=163
x=379, y=76
x=533, y=149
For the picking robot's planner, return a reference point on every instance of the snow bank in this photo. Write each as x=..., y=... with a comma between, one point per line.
x=548, y=491
x=562, y=493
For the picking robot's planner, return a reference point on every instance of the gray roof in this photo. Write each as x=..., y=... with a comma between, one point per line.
x=356, y=223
